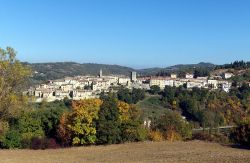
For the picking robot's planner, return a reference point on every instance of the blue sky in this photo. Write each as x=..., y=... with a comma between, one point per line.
x=136, y=33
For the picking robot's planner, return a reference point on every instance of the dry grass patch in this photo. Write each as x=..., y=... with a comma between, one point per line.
x=193, y=151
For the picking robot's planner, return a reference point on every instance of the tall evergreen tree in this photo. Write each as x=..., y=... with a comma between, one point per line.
x=108, y=124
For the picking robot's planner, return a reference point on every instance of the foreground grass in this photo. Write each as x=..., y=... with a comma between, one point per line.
x=193, y=151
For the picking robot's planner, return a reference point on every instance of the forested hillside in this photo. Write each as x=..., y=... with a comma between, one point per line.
x=57, y=70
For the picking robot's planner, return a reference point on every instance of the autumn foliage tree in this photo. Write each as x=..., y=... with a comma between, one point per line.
x=172, y=126
x=78, y=127
x=12, y=77
x=131, y=123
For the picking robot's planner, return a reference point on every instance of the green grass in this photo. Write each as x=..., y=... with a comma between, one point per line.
x=151, y=106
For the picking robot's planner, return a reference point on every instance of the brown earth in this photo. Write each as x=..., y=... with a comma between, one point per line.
x=193, y=151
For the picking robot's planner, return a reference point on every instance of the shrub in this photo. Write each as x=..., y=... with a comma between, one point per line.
x=219, y=138
x=156, y=136
x=202, y=136
x=132, y=132
x=43, y=143
x=26, y=143
x=241, y=134
x=12, y=139
x=172, y=126
x=172, y=135
x=51, y=144
x=37, y=143
x=29, y=125
x=155, y=89
x=143, y=134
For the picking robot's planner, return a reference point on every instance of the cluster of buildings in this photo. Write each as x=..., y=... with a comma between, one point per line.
x=215, y=82
x=84, y=87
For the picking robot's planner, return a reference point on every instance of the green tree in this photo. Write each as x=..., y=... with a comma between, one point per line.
x=131, y=124
x=155, y=89
x=108, y=124
x=124, y=94
x=137, y=95
x=12, y=140
x=12, y=78
x=50, y=118
x=29, y=125
x=172, y=126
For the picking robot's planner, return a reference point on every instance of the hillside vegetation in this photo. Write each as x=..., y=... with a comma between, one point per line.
x=50, y=71
x=151, y=107
x=57, y=70
x=116, y=117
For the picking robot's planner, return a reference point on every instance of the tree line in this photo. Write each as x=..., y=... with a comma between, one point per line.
x=114, y=118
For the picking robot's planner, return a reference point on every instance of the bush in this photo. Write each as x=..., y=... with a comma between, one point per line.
x=172, y=126
x=29, y=125
x=202, y=136
x=219, y=138
x=155, y=89
x=241, y=134
x=12, y=140
x=43, y=143
x=143, y=134
x=51, y=144
x=172, y=135
x=26, y=143
x=133, y=132
x=156, y=136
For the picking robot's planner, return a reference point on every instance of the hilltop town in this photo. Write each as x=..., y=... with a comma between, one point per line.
x=85, y=87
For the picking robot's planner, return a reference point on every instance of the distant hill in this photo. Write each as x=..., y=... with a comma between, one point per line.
x=57, y=70
x=199, y=65
x=177, y=68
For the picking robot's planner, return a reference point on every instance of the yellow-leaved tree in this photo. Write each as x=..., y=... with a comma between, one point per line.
x=13, y=75
x=131, y=122
x=77, y=127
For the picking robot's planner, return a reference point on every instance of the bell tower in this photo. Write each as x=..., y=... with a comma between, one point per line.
x=100, y=74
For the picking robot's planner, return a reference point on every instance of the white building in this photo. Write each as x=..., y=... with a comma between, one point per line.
x=228, y=75
x=66, y=87
x=178, y=83
x=159, y=81
x=81, y=94
x=123, y=80
x=133, y=76
x=169, y=82
x=194, y=84
x=213, y=83
x=189, y=76
x=173, y=76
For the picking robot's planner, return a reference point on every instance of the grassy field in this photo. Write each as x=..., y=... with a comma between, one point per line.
x=193, y=151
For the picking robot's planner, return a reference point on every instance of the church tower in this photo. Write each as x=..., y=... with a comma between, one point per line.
x=100, y=74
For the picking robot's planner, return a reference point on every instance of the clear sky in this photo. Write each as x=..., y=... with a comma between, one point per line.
x=136, y=33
